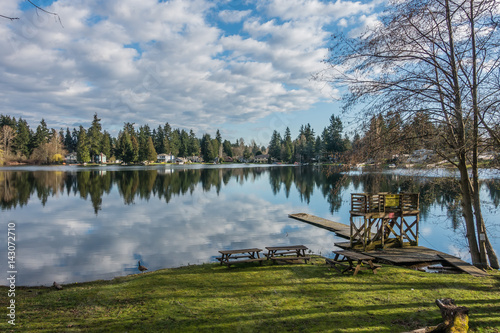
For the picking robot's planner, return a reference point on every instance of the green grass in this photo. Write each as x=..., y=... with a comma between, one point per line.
x=253, y=298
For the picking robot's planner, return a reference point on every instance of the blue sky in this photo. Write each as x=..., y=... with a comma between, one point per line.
x=243, y=67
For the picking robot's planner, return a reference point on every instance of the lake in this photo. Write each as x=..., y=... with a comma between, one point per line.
x=76, y=224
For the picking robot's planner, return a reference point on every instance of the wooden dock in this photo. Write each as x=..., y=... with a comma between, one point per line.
x=407, y=255
x=340, y=229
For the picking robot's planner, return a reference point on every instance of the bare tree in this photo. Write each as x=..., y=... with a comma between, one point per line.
x=7, y=136
x=439, y=58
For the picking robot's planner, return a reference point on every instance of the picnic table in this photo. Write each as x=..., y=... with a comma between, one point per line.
x=345, y=261
x=231, y=257
x=286, y=253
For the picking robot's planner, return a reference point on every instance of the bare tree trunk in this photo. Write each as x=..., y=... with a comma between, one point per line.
x=461, y=153
x=467, y=211
x=481, y=232
x=481, y=228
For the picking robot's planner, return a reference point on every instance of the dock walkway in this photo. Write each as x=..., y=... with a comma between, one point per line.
x=408, y=255
x=340, y=229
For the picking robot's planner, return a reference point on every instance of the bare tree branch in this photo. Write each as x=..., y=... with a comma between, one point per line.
x=10, y=18
x=56, y=16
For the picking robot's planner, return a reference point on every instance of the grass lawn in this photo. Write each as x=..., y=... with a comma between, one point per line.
x=253, y=298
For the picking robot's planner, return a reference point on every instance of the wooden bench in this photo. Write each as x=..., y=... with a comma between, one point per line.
x=287, y=253
x=346, y=261
x=229, y=258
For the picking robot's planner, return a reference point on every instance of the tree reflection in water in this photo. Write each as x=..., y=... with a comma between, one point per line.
x=17, y=187
x=92, y=223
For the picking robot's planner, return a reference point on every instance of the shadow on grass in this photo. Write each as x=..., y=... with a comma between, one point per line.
x=267, y=298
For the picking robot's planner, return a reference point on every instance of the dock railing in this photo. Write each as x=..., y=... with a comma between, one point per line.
x=379, y=219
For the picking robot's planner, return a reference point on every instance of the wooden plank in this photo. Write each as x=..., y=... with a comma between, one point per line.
x=401, y=255
x=286, y=247
x=462, y=265
x=419, y=254
x=239, y=251
x=340, y=229
x=290, y=258
x=354, y=255
x=233, y=262
x=406, y=255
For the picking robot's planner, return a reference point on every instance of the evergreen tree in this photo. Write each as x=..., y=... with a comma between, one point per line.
x=8, y=120
x=207, y=149
x=218, y=144
x=125, y=150
x=74, y=137
x=151, y=152
x=143, y=139
x=227, y=148
x=159, y=140
x=287, y=146
x=95, y=137
x=275, y=145
x=333, y=138
x=23, y=138
x=183, y=144
x=68, y=141
x=318, y=148
x=194, y=144
x=167, y=135
x=135, y=149
x=175, y=142
x=107, y=145
x=82, y=149
x=42, y=135
x=218, y=137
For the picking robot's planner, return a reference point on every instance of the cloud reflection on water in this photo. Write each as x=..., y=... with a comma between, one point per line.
x=90, y=224
x=65, y=241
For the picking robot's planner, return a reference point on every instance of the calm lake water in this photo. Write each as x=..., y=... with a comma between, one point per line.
x=76, y=224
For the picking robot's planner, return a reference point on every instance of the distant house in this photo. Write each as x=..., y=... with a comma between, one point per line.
x=181, y=160
x=101, y=158
x=165, y=158
x=421, y=155
x=71, y=158
x=195, y=159
x=228, y=159
x=261, y=158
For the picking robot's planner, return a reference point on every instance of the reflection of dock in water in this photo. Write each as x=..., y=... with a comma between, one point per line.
x=406, y=255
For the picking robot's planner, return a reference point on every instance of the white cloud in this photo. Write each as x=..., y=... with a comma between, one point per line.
x=366, y=23
x=165, y=61
x=323, y=11
x=233, y=16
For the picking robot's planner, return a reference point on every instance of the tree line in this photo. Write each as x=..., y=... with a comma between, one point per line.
x=18, y=142
x=308, y=147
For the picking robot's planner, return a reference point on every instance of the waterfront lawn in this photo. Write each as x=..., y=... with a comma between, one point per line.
x=253, y=298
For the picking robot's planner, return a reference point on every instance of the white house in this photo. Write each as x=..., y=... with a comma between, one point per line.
x=165, y=158
x=101, y=158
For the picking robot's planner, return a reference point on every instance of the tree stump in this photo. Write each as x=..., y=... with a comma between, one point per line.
x=455, y=318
